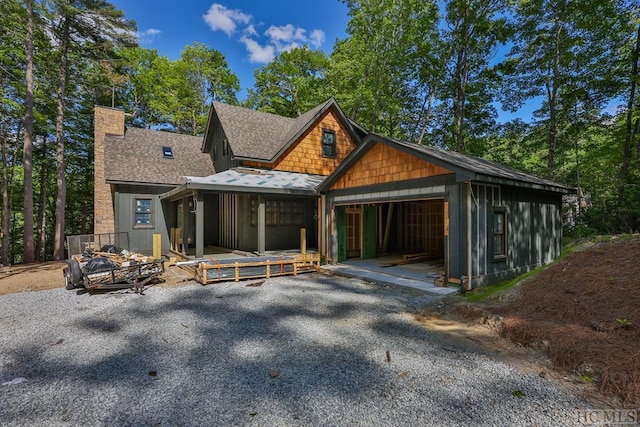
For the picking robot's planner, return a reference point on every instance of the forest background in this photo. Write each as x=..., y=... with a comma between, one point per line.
x=418, y=70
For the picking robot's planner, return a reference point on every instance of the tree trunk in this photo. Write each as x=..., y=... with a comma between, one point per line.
x=552, y=96
x=4, y=231
x=7, y=197
x=61, y=184
x=28, y=253
x=41, y=231
x=461, y=78
x=427, y=115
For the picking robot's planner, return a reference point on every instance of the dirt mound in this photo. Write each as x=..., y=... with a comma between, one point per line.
x=584, y=312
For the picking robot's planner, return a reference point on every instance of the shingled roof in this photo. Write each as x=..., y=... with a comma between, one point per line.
x=466, y=167
x=255, y=135
x=138, y=157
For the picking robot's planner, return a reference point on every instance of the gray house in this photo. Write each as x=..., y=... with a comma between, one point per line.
x=256, y=179
x=485, y=220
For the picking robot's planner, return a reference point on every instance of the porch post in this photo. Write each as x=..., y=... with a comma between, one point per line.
x=199, y=207
x=262, y=213
x=186, y=226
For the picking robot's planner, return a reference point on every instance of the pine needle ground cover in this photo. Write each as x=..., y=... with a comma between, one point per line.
x=584, y=312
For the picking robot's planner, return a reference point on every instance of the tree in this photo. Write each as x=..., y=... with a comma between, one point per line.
x=561, y=53
x=474, y=28
x=294, y=82
x=93, y=27
x=373, y=72
x=28, y=141
x=174, y=94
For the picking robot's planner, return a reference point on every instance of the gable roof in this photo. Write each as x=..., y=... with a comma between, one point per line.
x=465, y=167
x=263, y=137
x=124, y=154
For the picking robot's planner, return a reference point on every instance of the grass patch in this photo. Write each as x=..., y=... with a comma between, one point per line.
x=483, y=292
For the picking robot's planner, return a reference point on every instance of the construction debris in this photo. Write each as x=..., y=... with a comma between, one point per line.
x=108, y=266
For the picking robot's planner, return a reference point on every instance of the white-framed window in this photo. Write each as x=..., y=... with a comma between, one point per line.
x=143, y=212
x=499, y=230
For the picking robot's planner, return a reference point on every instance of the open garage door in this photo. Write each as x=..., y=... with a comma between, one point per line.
x=392, y=228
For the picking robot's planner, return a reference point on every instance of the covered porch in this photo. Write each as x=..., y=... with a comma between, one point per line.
x=242, y=209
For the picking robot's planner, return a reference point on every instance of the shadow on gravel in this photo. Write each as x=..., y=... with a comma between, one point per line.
x=298, y=351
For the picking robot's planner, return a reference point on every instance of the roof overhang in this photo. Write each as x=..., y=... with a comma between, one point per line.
x=462, y=174
x=251, y=181
x=139, y=183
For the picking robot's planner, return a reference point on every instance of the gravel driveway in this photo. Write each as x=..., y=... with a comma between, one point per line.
x=310, y=350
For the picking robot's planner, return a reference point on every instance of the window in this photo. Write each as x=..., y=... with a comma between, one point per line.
x=143, y=212
x=298, y=213
x=499, y=218
x=167, y=153
x=271, y=208
x=328, y=143
x=279, y=212
x=254, y=211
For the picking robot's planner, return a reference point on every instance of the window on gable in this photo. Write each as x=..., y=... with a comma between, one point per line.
x=328, y=143
x=499, y=227
x=167, y=152
x=143, y=212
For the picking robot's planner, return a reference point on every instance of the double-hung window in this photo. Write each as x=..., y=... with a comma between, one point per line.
x=143, y=212
x=328, y=143
x=499, y=229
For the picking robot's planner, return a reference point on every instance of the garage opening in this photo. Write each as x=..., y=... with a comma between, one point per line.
x=408, y=228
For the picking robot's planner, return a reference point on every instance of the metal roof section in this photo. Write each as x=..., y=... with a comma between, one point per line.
x=250, y=180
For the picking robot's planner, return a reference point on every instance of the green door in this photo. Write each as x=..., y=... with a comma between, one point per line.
x=341, y=226
x=369, y=225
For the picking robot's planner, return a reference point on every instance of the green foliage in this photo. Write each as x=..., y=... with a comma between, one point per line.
x=374, y=72
x=174, y=95
x=294, y=82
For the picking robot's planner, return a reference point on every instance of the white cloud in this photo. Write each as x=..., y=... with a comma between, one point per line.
x=250, y=31
x=257, y=53
x=220, y=18
x=316, y=38
x=285, y=34
x=278, y=38
x=148, y=36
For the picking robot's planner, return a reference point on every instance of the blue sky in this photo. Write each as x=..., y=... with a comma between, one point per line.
x=249, y=33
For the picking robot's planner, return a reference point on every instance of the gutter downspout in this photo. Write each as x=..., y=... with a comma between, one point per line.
x=469, y=242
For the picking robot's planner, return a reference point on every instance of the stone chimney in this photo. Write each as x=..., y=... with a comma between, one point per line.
x=107, y=121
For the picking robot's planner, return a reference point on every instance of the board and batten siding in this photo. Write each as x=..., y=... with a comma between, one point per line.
x=305, y=154
x=141, y=239
x=534, y=230
x=277, y=237
x=383, y=164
